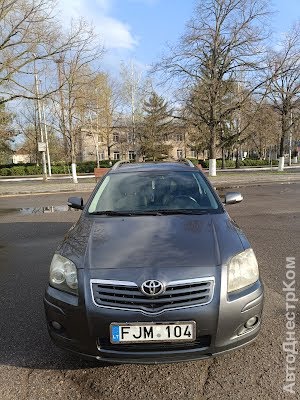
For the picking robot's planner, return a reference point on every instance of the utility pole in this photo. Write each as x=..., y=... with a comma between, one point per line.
x=42, y=143
x=46, y=140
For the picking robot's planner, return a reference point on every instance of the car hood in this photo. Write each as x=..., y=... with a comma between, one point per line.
x=153, y=241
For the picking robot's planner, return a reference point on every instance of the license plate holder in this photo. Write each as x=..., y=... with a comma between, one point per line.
x=152, y=332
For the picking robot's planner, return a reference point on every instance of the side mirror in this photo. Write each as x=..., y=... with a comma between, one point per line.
x=233, y=197
x=76, y=202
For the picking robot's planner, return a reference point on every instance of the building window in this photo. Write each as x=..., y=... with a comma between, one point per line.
x=131, y=155
x=102, y=155
x=131, y=137
x=193, y=154
x=179, y=153
x=116, y=137
x=179, y=137
x=116, y=155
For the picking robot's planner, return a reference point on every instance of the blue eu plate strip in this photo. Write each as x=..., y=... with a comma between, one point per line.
x=115, y=333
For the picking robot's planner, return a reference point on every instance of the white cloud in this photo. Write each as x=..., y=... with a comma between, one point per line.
x=114, y=33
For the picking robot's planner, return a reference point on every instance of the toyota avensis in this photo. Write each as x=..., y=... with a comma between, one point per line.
x=154, y=270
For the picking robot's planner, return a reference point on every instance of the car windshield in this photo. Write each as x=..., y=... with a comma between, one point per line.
x=147, y=192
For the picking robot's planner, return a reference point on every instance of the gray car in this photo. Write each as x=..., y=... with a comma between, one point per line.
x=154, y=270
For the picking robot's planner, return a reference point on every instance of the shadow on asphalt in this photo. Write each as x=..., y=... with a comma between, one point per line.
x=26, y=249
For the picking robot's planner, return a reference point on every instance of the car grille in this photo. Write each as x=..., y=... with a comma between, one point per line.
x=200, y=342
x=177, y=294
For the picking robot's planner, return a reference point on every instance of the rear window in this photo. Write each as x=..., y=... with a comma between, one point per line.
x=148, y=191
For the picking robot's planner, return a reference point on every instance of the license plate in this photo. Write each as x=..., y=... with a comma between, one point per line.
x=140, y=332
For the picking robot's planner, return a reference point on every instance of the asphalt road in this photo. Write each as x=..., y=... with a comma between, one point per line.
x=32, y=368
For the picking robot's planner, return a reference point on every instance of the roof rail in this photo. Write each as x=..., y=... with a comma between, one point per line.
x=118, y=164
x=187, y=162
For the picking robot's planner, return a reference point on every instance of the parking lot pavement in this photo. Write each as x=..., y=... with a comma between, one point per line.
x=32, y=368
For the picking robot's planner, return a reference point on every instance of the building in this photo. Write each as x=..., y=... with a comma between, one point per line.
x=118, y=143
x=21, y=156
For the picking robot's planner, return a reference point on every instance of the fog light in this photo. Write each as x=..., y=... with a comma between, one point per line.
x=251, y=322
x=56, y=325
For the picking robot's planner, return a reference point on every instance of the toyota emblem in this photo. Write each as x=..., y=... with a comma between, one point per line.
x=152, y=288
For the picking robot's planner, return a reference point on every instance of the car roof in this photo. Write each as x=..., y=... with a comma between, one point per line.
x=153, y=166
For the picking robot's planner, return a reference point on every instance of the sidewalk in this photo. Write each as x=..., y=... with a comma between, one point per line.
x=221, y=181
x=40, y=187
x=258, y=178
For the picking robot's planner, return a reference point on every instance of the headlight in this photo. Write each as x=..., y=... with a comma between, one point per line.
x=63, y=274
x=242, y=270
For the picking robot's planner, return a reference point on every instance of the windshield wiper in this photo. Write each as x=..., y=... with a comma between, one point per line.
x=150, y=212
x=124, y=213
x=112, y=213
x=182, y=211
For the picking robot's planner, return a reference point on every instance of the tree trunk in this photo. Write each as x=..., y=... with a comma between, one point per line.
x=73, y=161
x=212, y=152
x=284, y=131
x=223, y=158
x=281, y=146
x=237, y=159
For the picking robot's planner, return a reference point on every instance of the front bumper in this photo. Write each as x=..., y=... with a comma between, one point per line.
x=85, y=327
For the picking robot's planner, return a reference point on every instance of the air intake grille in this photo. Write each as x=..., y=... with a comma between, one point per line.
x=201, y=342
x=127, y=295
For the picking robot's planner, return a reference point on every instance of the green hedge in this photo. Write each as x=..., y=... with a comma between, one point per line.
x=245, y=163
x=61, y=169
x=5, y=171
x=251, y=163
x=88, y=167
x=32, y=169
x=18, y=170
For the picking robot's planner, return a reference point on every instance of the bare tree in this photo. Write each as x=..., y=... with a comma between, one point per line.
x=107, y=116
x=30, y=33
x=6, y=134
x=223, y=43
x=27, y=126
x=263, y=131
x=72, y=104
x=284, y=68
x=135, y=88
